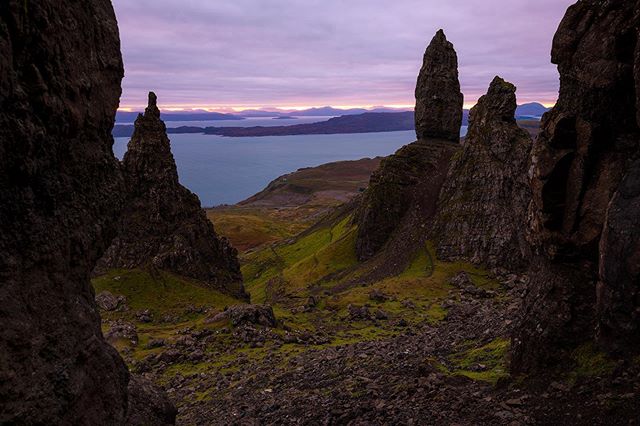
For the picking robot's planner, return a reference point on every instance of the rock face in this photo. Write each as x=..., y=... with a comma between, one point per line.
x=59, y=192
x=400, y=202
x=402, y=196
x=584, y=210
x=618, y=294
x=438, y=112
x=163, y=224
x=60, y=196
x=483, y=203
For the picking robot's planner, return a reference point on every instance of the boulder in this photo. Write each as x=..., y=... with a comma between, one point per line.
x=251, y=314
x=147, y=405
x=109, y=302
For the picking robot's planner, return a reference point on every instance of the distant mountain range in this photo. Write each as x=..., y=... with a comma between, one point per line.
x=130, y=117
x=524, y=111
x=368, y=122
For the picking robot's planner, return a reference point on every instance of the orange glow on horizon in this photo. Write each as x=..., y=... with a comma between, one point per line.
x=240, y=108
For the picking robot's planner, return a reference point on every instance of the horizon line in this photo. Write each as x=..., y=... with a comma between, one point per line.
x=240, y=109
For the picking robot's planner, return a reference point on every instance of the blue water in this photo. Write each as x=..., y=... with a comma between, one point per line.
x=223, y=170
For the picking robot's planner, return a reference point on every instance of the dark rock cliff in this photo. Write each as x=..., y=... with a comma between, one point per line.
x=60, y=186
x=438, y=112
x=483, y=203
x=163, y=224
x=583, y=184
x=402, y=195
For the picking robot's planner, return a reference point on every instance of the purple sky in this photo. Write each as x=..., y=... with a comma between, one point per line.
x=219, y=54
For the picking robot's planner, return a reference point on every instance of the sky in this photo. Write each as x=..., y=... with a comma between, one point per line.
x=227, y=55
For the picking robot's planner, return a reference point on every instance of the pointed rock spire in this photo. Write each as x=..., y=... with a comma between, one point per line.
x=484, y=200
x=438, y=112
x=163, y=224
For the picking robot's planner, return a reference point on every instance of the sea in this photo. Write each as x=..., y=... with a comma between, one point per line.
x=225, y=170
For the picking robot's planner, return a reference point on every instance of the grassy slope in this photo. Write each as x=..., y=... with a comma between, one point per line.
x=292, y=203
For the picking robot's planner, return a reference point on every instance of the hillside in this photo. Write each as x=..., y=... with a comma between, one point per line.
x=292, y=202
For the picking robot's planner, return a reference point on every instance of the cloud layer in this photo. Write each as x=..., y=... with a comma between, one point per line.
x=254, y=53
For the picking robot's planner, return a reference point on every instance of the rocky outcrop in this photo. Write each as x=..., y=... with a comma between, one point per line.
x=483, y=203
x=60, y=196
x=618, y=295
x=584, y=209
x=163, y=224
x=438, y=112
x=402, y=196
x=59, y=192
x=148, y=406
x=400, y=203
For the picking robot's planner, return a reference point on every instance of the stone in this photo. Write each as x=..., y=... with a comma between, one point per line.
x=148, y=406
x=122, y=330
x=109, y=302
x=378, y=296
x=581, y=166
x=438, y=112
x=483, y=203
x=358, y=313
x=251, y=314
x=163, y=224
x=61, y=190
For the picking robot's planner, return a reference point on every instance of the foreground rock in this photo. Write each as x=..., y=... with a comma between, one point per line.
x=438, y=112
x=163, y=224
x=60, y=188
x=584, y=184
x=148, y=406
x=249, y=314
x=484, y=200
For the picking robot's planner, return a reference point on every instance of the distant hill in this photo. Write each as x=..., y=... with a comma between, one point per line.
x=370, y=122
x=532, y=109
x=130, y=117
x=362, y=123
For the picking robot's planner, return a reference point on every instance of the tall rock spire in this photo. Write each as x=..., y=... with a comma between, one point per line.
x=484, y=200
x=163, y=224
x=61, y=192
x=438, y=112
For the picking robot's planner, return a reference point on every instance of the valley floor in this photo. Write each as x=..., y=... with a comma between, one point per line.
x=325, y=342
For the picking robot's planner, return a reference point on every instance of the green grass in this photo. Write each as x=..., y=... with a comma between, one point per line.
x=299, y=264
x=161, y=293
x=249, y=228
x=493, y=356
x=591, y=362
